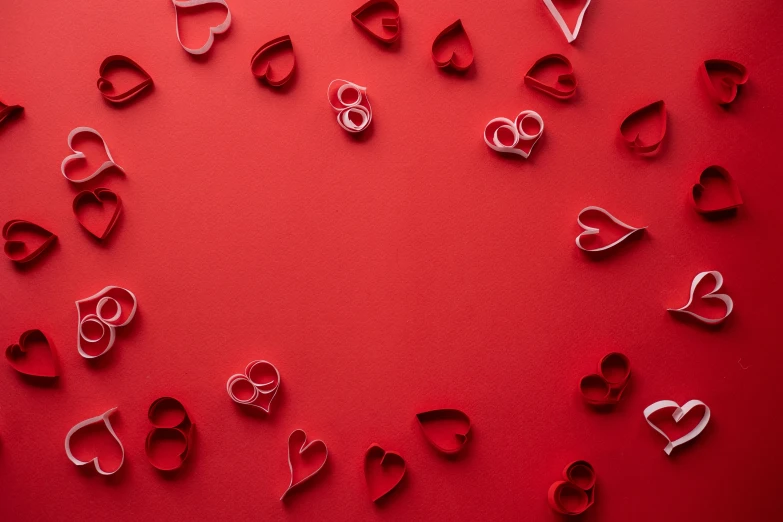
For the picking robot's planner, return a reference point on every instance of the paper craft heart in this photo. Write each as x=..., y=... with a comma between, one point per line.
x=172, y=431
x=99, y=316
x=504, y=135
x=257, y=386
x=8, y=111
x=722, y=79
x=25, y=241
x=570, y=36
x=279, y=51
x=106, y=87
x=101, y=198
x=351, y=103
x=591, y=231
x=709, y=295
x=650, y=122
x=564, y=86
x=607, y=386
x=451, y=49
x=41, y=362
x=218, y=29
x=677, y=415
x=576, y=493
x=447, y=430
x=304, y=460
x=94, y=420
x=716, y=192
x=383, y=471
x=77, y=155
x=389, y=30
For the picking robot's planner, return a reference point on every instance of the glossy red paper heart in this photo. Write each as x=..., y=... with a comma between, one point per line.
x=25, y=241
x=722, y=79
x=644, y=129
x=304, y=460
x=716, y=192
x=383, y=471
x=367, y=18
x=107, y=202
x=38, y=362
x=576, y=493
x=563, y=86
x=274, y=62
x=106, y=87
x=168, y=444
x=451, y=48
x=447, y=430
x=607, y=386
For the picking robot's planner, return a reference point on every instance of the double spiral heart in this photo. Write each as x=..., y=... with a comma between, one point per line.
x=92, y=313
x=347, y=109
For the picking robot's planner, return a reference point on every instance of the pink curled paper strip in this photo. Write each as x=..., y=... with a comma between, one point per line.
x=218, y=29
x=261, y=390
x=359, y=107
x=563, y=26
x=590, y=231
x=710, y=295
x=679, y=413
x=95, y=420
x=316, y=450
x=90, y=311
x=522, y=143
x=80, y=155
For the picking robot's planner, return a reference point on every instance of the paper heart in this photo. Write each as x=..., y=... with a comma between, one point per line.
x=218, y=29
x=521, y=142
x=451, y=49
x=262, y=378
x=266, y=55
x=447, y=429
x=8, y=111
x=94, y=420
x=298, y=451
x=709, y=295
x=650, y=116
x=90, y=314
x=570, y=36
x=727, y=185
x=80, y=155
x=576, y=493
x=390, y=26
x=171, y=422
x=42, y=364
x=17, y=249
x=722, y=79
x=106, y=87
x=607, y=386
x=563, y=88
x=677, y=415
x=346, y=110
x=590, y=231
x=383, y=471
x=99, y=196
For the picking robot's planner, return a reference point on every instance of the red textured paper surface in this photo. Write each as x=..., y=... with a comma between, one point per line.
x=411, y=270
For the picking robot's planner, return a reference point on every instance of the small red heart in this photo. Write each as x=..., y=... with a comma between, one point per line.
x=304, y=460
x=387, y=11
x=540, y=76
x=644, y=129
x=451, y=48
x=383, y=471
x=607, y=386
x=97, y=211
x=576, y=493
x=20, y=235
x=447, y=430
x=716, y=192
x=279, y=51
x=7, y=111
x=723, y=78
x=117, y=62
x=33, y=355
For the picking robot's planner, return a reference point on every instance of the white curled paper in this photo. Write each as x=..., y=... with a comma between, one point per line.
x=679, y=413
x=106, y=324
x=346, y=109
x=589, y=231
x=80, y=155
x=266, y=389
x=95, y=420
x=218, y=29
x=563, y=26
x=492, y=130
x=711, y=295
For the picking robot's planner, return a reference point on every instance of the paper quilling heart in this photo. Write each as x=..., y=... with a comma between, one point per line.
x=8, y=111
x=356, y=107
x=100, y=196
x=91, y=313
x=563, y=88
x=590, y=231
x=446, y=430
x=390, y=25
x=297, y=447
x=516, y=141
x=106, y=87
x=383, y=471
x=451, y=49
x=218, y=29
x=80, y=155
x=710, y=295
x=18, y=250
x=263, y=58
x=263, y=381
x=650, y=116
x=94, y=420
x=44, y=365
x=607, y=386
x=170, y=421
x=722, y=79
x=570, y=36
x=576, y=493
x=728, y=184
x=677, y=415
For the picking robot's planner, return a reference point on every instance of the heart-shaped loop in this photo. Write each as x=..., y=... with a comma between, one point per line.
x=576, y=493
x=563, y=88
x=722, y=182
x=94, y=420
x=92, y=314
x=9, y=111
x=446, y=430
x=451, y=49
x=107, y=88
x=41, y=363
x=171, y=422
x=570, y=36
x=80, y=155
x=261, y=63
x=590, y=231
x=677, y=415
x=390, y=25
x=607, y=386
x=517, y=141
x=650, y=120
x=298, y=450
x=218, y=29
x=17, y=249
x=101, y=197
x=261, y=379
x=722, y=78
x=709, y=295
x=383, y=471
x=350, y=101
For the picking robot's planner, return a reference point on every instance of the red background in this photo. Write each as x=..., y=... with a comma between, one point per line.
x=411, y=269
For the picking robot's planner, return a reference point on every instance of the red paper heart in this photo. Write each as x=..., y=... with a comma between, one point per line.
x=20, y=235
x=607, y=386
x=576, y=493
x=7, y=111
x=563, y=86
x=644, y=129
x=447, y=430
x=722, y=79
x=716, y=192
x=304, y=460
x=168, y=443
x=98, y=226
x=117, y=62
x=367, y=17
x=38, y=362
x=279, y=52
x=451, y=48
x=383, y=471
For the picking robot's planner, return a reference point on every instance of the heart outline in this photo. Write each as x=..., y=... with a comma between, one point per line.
x=570, y=36
x=105, y=85
x=677, y=415
x=587, y=489
x=259, y=389
x=698, y=189
x=94, y=420
x=80, y=155
x=727, y=300
x=304, y=447
x=18, y=349
x=516, y=129
x=10, y=243
x=614, y=389
x=636, y=144
x=368, y=455
x=98, y=195
x=184, y=428
x=385, y=22
x=104, y=322
x=433, y=415
x=731, y=84
x=213, y=30
x=590, y=231
x=282, y=41
x=552, y=90
x=454, y=62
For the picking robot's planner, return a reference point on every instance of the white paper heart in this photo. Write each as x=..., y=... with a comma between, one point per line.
x=589, y=231
x=218, y=29
x=94, y=420
x=710, y=295
x=106, y=324
x=361, y=106
x=563, y=26
x=492, y=130
x=677, y=415
x=259, y=388
x=79, y=155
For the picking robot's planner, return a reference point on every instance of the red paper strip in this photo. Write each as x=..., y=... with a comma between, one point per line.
x=383, y=471
x=17, y=249
x=576, y=493
x=390, y=26
x=565, y=85
x=722, y=79
x=722, y=182
x=447, y=430
x=451, y=49
x=101, y=197
x=607, y=386
x=171, y=422
x=36, y=363
x=8, y=111
x=271, y=52
x=304, y=460
x=106, y=87
x=650, y=120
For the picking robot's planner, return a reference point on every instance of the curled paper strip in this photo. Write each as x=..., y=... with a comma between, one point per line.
x=80, y=155
x=99, y=196
x=8, y=111
x=218, y=29
x=451, y=49
x=262, y=62
x=607, y=386
x=516, y=141
x=96, y=312
x=446, y=430
x=390, y=26
x=570, y=36
x=170, y=421
x=563, y=88
x=95, y=420
x=301, y=471
x=263, y=381
x=106, y=87
x=590, y=231
x=679, y=413
x=710, y=295
x=17, y=249
x=732, y=193
x=653, y=115
x=576, y=493
x=383, y=471
x=348, y=109
x=722, y=79
x=41, y=364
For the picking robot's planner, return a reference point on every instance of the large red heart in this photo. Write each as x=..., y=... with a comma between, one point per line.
x=387, y=12
x=97, y=211
x=33, y=355
x=304, y=460
x=447, y=430
x=451, y=48
x=722, y=79
x=716, y=192
x=644, y=129
x=540, y=76
x=25, y=240
x=383, y=471
x=279, y=52
x=117, y=62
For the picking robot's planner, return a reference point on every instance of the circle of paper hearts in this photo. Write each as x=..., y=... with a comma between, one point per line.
x=710, y=295
x=94, y=420
x=493, y=128
x=218, y=29
x=346, y=109
x=268, y=388
x=96, y=317
x=677, y=415
x=315, y=446
x=590, y=231
x=80, y=155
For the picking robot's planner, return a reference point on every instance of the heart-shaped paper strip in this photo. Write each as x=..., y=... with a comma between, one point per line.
x=698, y=191
x=722, y=79
x=589, y=231
x=166, y=427
x=99, y=196
x=80, y=155
x=451, y=49
x=383, y=471
x=8, y=111
x=95, y=420
x=106, y=87
x=17, y=250
x=90, y=312
x=297, y=446
x=614, y=370
x=576, y=493
x=43, y=365
x=710, y=295
x=264, y=388
x=218, y=29
x=392, y=24
x=447, y=429
x=521, y=143
x=679, y=413
x=652, y=114
x=570, y=36
x=263, y=58
x=360, y=106
x=564, y=88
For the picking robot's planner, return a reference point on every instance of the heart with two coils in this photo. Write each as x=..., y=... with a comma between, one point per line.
x=33, y=355
x=716, y=193
x=366, y=17
x=274, y=62
x=723, y=78
x=256, y=387
x=383, y=471
x=576, y=493
x=25, y=241
x=451, y=49
x=563, y=86
x=644, y=129
x=446, y=430
x=168, y=443
x=102, y=200
x=120, y=62
x=606, y=387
